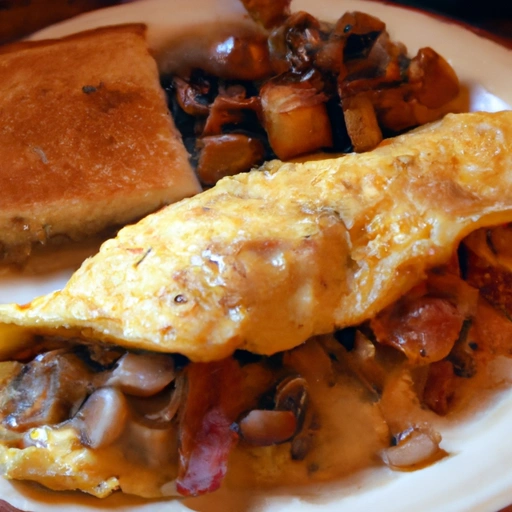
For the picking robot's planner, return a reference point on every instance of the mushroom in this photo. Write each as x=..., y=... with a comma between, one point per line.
x=163, y=407
x=263, y=427
x=102, y=418
x=141, y=374
x=415, y=447
x=292, y=395
x=45, y=391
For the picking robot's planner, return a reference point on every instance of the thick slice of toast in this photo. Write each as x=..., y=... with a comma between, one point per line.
x=86, y=139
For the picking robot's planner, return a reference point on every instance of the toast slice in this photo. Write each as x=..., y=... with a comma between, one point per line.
x=86, y=139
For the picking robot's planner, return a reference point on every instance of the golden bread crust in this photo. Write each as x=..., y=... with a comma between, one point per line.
x=86, y=137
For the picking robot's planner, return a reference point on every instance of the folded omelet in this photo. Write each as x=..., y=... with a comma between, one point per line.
x=265, y=260
x=260, y=263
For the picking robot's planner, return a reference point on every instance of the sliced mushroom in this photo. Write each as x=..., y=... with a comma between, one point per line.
x=103, y=417
x=415, y=447
x=191, y=97
x=230, y=107
x=301, y=445
x=438, y=81
x=160, y=409
x=142, y=374
x=45, y=391
x=264, y=428
x=362, y=361
x=294, y=44
x=177, y=399
x=292, y=395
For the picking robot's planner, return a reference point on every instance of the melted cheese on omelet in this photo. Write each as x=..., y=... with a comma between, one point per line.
x=59, y=461
x=265, y=260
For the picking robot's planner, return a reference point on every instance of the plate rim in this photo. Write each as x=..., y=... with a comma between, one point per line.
x=502, y=491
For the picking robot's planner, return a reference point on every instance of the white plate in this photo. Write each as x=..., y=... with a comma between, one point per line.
x=477, y=475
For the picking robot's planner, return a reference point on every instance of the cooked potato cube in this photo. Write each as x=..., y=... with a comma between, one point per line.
x=439, y=83
x=361, y=121
x=295, y=118
x=226, y=155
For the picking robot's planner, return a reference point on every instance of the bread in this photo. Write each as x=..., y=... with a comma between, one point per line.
x=86, y=139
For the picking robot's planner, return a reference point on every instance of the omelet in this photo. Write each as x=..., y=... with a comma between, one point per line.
x=256, y=266
x=267, y=259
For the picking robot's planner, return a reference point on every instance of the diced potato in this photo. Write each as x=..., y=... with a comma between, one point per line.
x=296, y=119
x=361, y=121
x=226, y=155
x=439, y=82
x=393, y=111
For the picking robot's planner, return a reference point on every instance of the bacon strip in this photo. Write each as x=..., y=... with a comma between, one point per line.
x=440, y=387
x=424, y=328
x=206, y=434
x=5, y=507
